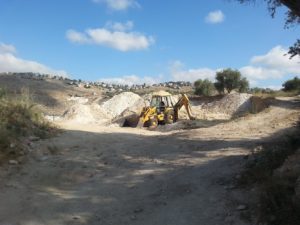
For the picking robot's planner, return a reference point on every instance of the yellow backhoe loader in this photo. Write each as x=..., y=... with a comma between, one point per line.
x=162, y=110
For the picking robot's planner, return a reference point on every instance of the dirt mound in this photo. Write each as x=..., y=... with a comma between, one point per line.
x=85, y=114
x=130, y=116
x=112, y=111
x=225, y=108
x=79, y=113
x=119, y=103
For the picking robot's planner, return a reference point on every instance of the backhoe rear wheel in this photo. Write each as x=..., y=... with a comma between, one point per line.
x=169, y=117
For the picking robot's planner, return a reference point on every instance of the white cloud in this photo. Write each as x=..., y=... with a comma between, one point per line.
x=77, y=37
x=273, y=65
x=277, y=59
x=178, y=73
x=215, y=17
x=119, y=5
x=260, y=73
x=9, y=62
x=273, y=87
x=131, y=80
x=116, y=26
x=115, y=35
x=4, y=48
x=270, y=67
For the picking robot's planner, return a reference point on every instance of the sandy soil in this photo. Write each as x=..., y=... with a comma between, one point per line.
x=108, y=175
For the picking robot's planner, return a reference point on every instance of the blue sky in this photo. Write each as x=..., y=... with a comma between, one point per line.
x=136, y=41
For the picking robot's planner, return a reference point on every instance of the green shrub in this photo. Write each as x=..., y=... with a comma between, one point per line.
x=204, y=87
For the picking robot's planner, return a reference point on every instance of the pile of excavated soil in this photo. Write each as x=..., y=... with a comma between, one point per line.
x=85, y=114
x=227, y=107
x=114, y=110
x=127, y=107
x=79, y=113
x=121, y=102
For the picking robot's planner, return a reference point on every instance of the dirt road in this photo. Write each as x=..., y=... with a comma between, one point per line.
x=101, y=175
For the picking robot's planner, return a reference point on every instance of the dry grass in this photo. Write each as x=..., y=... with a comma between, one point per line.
x=19, y=118
x=274, y=94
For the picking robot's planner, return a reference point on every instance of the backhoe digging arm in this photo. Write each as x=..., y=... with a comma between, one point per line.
x=183, y=101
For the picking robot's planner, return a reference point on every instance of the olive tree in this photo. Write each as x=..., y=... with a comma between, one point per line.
x=229, y=79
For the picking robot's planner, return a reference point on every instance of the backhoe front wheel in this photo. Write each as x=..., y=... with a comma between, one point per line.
x=153, y=123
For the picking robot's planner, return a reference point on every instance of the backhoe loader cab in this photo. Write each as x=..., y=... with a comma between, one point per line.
x=161, y=100
x=157, y=100
x=162, y=110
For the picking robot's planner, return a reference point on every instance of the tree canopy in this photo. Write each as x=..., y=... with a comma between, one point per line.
x=292, y=85
x=204, y=87
x=229, y=80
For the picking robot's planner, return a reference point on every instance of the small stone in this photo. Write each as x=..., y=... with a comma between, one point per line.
x=44, y=158
x=33, y=138
x=133, y=217
x=139, y=210
x=241, y=207
x=131, y=186
x=257, y=149
x=230, y=187
x=22, y=153
x=76, y=217
x=13, y=162
x=12, y=145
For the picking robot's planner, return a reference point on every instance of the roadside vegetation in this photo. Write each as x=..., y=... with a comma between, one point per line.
x=19, y=119
x=290, y=88
x=229, y=80
x=274, y=170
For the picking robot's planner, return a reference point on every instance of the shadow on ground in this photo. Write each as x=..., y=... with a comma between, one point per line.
x=127, y=178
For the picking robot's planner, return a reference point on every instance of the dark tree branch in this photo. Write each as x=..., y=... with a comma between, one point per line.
x=293, y=5
x=295, y=49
